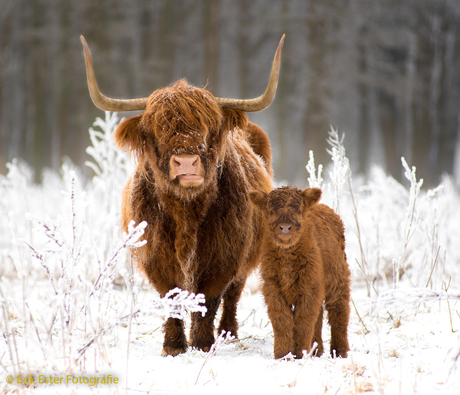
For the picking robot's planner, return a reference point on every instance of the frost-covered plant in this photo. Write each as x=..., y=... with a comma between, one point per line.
x=375, y=201
x=422, y=220
x=17, y=196
x=402, y=228
x=177, y=302
x=394, y=229
x=74, y=302
x=412, y=214
x=340, y=174
x=315, y=180
x=108, y=160
x=112, y=169
x=61, y=298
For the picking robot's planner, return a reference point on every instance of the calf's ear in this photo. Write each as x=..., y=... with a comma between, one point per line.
x=258, y=199
x=311, y=196
x=130, y=136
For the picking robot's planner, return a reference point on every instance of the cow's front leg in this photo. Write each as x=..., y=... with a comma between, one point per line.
x=202, y=328
x=175, y=341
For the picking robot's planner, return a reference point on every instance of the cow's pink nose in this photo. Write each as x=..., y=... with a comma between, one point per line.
x=186, y=164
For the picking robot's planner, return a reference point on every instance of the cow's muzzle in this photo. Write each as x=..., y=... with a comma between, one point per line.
x=188, y=169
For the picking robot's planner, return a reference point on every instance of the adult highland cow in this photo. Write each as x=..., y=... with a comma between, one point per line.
x=197, y=158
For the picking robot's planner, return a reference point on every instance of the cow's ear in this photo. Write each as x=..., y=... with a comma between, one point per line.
x=130, y=136
x=258, y=199
x=234, y=119
x=311, y=196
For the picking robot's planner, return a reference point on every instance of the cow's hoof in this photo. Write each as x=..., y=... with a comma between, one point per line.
x=203, y=346
x=172, y=351
x=204, y=349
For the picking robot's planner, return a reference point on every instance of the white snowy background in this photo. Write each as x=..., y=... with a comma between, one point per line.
x=72, y=304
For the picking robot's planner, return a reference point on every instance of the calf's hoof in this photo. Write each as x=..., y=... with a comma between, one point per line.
x=318, y=352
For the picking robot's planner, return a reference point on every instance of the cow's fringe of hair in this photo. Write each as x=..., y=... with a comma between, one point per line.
x=181, y=109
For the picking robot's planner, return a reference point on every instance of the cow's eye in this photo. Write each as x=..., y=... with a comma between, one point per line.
x=271, y=211
x=299, y=212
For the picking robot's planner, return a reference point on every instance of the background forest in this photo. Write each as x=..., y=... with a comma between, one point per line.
x=385, y=73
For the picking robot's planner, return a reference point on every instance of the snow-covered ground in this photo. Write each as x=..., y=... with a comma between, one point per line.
x=73, y=310
x=404, y=355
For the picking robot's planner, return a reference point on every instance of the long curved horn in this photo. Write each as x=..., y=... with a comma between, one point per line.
x=250, y=105
x=103, y=102
x=263, y=101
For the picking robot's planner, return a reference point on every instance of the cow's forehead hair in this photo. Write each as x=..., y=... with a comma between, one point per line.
x=285, y=197
x=182, y=109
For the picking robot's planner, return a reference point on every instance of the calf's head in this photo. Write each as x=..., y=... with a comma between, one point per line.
x=284, y=211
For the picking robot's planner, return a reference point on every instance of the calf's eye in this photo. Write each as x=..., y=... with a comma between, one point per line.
x=299, y=212
x=271, y=211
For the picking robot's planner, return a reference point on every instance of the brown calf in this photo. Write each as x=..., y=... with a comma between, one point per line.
x=303, y=264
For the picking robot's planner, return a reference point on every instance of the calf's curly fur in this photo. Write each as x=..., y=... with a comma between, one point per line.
x=303, y=265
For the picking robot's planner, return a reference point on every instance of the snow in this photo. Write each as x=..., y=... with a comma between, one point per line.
x=410, y=357
x=72, y=305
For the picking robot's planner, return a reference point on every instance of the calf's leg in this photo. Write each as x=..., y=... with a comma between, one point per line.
x=281, y=317
x=306, y=314
x=338, y=311
x=317, y=337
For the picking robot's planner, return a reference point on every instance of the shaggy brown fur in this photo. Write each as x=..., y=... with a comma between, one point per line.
x=303, y=264
x=203, y=235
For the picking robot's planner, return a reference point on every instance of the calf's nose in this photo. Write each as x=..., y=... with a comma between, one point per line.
x=285, y=229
